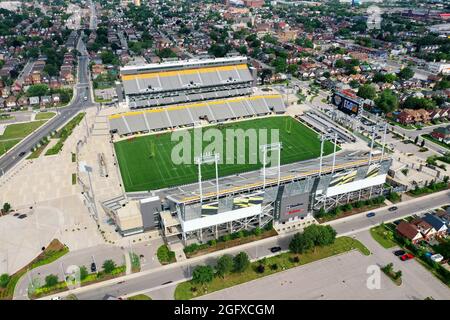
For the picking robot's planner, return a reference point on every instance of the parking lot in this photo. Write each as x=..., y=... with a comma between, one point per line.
x=342, y=277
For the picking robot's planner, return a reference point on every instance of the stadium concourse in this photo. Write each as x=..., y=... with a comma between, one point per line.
x=206, y=92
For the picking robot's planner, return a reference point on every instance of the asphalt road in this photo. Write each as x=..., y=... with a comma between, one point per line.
x=11, y=158
x=181, y=271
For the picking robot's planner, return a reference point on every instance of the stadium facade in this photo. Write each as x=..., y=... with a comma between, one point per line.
x=178, y=94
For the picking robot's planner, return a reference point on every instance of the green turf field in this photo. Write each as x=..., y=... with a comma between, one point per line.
x=145, y=162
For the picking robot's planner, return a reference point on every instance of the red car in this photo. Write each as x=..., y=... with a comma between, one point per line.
x=407, y=256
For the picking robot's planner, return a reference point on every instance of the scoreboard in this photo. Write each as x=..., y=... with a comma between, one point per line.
x=346, y=103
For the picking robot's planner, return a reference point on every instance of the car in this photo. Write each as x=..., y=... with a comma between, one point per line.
x=393, y=208
x=56, y=298
x=22, y=154
x=275, y=249
x=399, y=253
x=370, y=215
x=407, y=256
x=93, y=267
x=85, y=98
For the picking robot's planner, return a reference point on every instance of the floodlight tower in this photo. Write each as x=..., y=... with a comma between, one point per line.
x=323, y=138
x=264, y=149
x=204, y=159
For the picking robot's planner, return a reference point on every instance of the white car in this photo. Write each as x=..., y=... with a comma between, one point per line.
x=437, y=258
x=56, y=298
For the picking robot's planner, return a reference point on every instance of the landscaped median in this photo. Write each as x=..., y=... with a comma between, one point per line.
x=65, y=133
x=238, y=270
x=54, y=251
x=52, y=285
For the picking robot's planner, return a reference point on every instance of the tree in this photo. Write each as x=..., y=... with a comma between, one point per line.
x=224, y=265
x=387, y=101
x=419, y=103
x=38, y=90
x=83, y=273
x=398, y=274
x=51, y=280
x=6, y=207
x=265, y=74
x=4, y=280
x=202, y=274
x=241, y=262
x=300, y=243
x=326, y=235
x=108, y=266
x=406, y=73
x=367, y=91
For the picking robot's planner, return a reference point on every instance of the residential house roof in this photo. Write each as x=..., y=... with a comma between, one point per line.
x=409, y=230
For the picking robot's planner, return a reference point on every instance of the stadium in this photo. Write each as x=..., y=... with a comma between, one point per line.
x=208, y=198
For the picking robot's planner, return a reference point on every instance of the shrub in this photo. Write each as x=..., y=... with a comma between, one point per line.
x=261, y=268
x=257, y=231
x=51, y=280
x=4, y=280
x=164, y=254
x=108, y=266
x=83, y=273
x=274, y=266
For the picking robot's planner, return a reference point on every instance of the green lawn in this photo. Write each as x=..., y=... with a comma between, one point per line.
x=44, y=115
x=283, y=261
x=383, y=236
x=139, y=297
x=20, y=130
x=145, y=162
x=16, y=132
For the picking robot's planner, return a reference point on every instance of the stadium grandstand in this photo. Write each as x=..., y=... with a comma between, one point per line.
x=213, y=111
x=175, y=82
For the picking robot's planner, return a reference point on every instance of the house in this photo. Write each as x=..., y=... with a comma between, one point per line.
x=56, y=98
x=45, y=101
x=426, y=229
x=34, y=101
x=11, y=102
x=409, y=231
x=437, y=223
x=442, y=134
x=22, y=101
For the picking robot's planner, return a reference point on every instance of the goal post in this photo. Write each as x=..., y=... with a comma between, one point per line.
x=288, y=125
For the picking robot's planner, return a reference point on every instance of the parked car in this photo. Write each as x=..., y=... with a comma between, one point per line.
x=407, y=256
x=93, y=267
x=437, y=257
x=275, y=249
x=393, y=208
x=399, y=253
x=370, y=215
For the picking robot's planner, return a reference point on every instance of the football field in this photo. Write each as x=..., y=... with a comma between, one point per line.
x=146, y=162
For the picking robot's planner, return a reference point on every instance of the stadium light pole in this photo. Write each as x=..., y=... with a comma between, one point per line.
x=371, y=145
x=207, y=158
x=384, y=141
x=334, y=152
x=271, y=147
